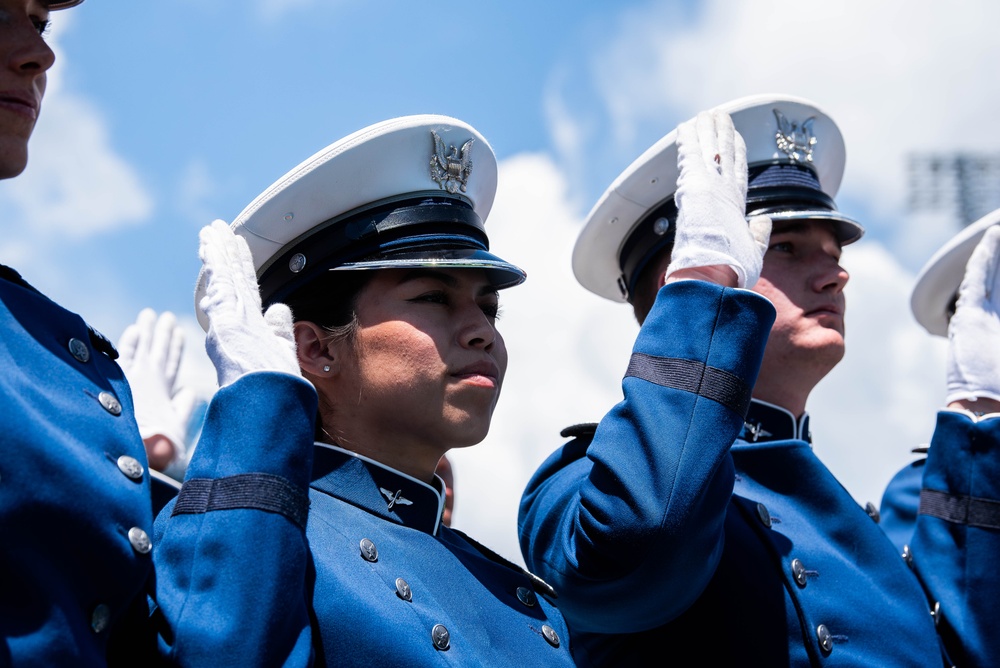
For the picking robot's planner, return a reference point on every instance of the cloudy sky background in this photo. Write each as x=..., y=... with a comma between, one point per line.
x=169, y=114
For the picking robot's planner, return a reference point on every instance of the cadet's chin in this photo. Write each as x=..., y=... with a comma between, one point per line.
x=12, y=165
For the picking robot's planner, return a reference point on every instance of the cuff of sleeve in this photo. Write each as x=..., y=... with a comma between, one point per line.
x=705, y=339
x=963, y=461
x=256, y=491
x=262, y=423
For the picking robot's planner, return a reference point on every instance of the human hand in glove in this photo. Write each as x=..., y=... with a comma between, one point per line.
x=150, y=352
x=240, y=339
x=713, y=240
x=974, y=330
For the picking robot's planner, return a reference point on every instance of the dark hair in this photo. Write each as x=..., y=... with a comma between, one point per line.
x=330, y=301
x=647, y=284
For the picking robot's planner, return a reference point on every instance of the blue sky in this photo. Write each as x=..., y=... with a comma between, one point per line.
x=165, y=115
x=210, y=102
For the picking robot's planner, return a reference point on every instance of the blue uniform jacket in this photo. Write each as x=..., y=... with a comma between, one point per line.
x=944, y=512
x=666, y=539
x=75, y=514
x=247, y=576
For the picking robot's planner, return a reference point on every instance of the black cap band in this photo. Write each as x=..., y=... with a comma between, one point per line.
x=772, y=188
x=373, y=233
x=783, y=187
x=654, y=232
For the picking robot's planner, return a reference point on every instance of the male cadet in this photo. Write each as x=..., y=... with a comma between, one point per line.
x=75, y=515
x=662, y=536
x=949, y=502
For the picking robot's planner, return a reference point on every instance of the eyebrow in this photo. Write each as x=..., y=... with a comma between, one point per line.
x=801, y=227
x=447, y=279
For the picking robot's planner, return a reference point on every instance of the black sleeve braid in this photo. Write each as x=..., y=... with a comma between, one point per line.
x=254, y=491
x=692, y=376
x=969, y=510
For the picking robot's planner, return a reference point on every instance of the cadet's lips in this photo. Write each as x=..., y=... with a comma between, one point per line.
x=827, y=309
x=20, y=102
x=485, y=372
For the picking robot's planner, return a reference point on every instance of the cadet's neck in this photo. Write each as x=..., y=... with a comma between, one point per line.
x=788, y=374
x=789, y=391
x=793, y=405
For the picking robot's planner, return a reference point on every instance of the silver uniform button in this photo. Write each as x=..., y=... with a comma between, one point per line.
x=936, y=613
x=140, y=540
x=297, y=263
x=764, y=515
x=824, y=638
x=368, y=550
x=100, y=618
x=79, y=350
x=403, y=590
x=110, y=403
x=799, y=572
x=440, y=637
x=550, y=635
x=527, y=596
x=873, y=512
x=907, y=555
x=131, y=467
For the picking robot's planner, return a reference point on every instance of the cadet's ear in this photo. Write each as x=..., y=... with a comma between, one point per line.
x=315, y=351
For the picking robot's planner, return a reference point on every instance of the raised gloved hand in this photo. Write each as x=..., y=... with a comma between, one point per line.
x=150, y=355
x=712, y=230
x=974, y=330
x=240, y=339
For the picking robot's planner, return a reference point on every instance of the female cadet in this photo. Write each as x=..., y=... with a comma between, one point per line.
x=279, y=550
x=75, y=514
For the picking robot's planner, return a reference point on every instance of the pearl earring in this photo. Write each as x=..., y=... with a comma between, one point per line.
x=326, y=368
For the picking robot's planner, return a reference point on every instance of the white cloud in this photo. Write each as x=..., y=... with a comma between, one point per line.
x=76, y=184
x=897, y=77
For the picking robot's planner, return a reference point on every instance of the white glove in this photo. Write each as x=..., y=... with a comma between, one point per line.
x=240, y=338
x=711, y=197
x=974, y=330
x=150, y=355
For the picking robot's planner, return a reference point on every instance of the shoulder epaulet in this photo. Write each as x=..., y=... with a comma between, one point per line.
x=98, y=340
x=578, y=430
x=538, y=584
x=9, y=274
x=102, y=343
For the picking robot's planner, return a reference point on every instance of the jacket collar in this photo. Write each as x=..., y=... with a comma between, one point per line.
x=383, y=491
x=766, y=422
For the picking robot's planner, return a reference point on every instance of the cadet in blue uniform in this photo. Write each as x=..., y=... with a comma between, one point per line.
x=75, y=514
x=282, y=551
x=662, y=534
x=944, y=509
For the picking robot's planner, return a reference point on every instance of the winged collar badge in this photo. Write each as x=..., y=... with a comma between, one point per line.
x=393, y=499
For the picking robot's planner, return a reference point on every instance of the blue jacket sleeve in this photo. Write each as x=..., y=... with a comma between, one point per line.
x=230, y=552
x=629, y=530
x=899, y=504
x=957, y=537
